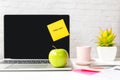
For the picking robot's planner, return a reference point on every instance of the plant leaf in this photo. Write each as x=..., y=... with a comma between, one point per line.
x=110, y=31
x=104, y=34
x=101, y=31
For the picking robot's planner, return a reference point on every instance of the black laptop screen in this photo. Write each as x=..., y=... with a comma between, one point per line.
x=27, y=36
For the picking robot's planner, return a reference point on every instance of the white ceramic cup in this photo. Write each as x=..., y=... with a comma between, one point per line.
x=83, y=53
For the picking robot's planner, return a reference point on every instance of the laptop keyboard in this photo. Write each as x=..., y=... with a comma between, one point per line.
x=25, y=62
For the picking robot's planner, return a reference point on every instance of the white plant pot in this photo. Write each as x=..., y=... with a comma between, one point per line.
x=107, y=53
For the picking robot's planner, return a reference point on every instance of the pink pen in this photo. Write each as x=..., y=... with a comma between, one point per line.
x=87, y=70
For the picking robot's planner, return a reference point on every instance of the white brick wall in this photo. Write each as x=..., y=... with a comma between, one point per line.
x=86, y=16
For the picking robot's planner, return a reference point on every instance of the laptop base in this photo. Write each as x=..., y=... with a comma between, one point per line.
x=33, y=67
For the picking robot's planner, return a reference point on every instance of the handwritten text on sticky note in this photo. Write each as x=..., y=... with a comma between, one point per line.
x=58, y=30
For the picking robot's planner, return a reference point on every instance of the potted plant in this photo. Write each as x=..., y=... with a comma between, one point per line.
x=106, y=45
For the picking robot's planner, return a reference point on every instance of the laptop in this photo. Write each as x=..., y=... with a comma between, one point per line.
x=27, y=42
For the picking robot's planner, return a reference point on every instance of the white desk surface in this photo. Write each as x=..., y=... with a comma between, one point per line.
x=48, y=75
x=45, y=75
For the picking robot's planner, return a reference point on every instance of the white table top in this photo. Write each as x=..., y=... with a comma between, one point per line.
x=45, y=75
x=48, y=75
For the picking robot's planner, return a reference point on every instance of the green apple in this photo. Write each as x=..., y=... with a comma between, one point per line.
x=58, y=58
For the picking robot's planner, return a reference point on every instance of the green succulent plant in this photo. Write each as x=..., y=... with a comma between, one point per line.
x=106, y=38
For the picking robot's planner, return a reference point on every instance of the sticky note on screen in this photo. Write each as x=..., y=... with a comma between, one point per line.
x=58, y=30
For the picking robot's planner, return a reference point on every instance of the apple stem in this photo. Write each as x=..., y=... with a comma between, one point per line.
x=54, y=47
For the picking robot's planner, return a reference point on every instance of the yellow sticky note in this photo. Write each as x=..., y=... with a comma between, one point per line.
x=58, y=30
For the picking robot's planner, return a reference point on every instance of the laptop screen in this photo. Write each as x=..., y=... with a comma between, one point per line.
x=27, y=36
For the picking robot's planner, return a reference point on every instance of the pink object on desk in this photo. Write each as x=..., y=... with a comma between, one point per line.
x=83, y=53
x=86, y=71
